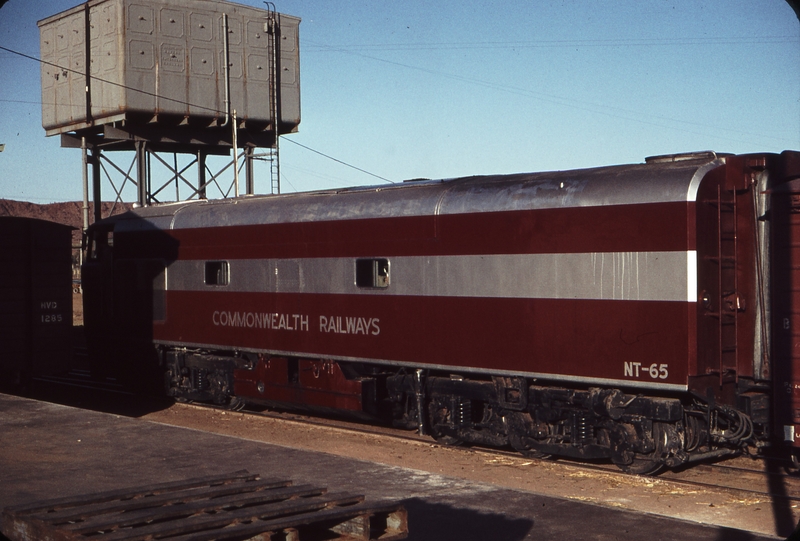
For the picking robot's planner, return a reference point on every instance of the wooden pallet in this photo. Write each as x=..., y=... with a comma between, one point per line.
x=237, y=506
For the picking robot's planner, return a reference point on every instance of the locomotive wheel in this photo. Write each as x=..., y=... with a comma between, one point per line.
x=236, y=404
x=642, y=465
x=645, y=463
x=444, y=439
x=790, y=462
x=518, y=425
x=533, y=453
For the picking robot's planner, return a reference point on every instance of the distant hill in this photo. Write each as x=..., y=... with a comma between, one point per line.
x=70, y=213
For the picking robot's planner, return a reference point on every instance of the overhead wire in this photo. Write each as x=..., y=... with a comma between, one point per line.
x=339, y=161
x=597, y=108
x=537, y=44
x=614, y=112
x=179, y=101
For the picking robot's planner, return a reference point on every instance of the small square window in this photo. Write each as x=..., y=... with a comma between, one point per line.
x=372, y=273
x=217, y=273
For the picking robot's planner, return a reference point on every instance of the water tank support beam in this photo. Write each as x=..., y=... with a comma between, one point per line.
x=98, y=202
x=141, y=172
x=201, y=174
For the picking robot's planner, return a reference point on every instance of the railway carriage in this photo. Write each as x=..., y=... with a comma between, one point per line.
x=640, y=313
x=35, y=299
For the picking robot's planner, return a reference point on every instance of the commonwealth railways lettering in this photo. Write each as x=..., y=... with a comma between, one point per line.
x=296, y=322
x=260, y=320
x=350, y=325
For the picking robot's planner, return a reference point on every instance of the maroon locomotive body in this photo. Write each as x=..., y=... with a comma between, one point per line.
x=642, y=313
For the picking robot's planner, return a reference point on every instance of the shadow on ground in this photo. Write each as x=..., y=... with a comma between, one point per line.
x=434, y=522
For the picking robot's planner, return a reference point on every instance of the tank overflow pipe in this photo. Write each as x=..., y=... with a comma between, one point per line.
x=235, y=156
x=85, y=208
x=228, y=113
x=226, y=70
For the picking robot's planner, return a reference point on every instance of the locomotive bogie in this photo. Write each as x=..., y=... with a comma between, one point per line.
x=623, y=313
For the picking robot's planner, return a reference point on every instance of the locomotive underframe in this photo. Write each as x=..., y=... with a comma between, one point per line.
x=640, y=434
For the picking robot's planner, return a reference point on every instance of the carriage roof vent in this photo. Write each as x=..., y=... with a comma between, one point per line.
x=685, y=157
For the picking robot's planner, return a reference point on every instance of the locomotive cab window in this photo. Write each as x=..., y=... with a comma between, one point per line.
x=101, y=242
x=372, y=273
x=217, y=273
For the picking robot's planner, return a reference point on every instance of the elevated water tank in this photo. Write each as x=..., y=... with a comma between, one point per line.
x=163, y=62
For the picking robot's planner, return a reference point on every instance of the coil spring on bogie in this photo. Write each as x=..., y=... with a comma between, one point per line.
x=462, y=411
x=200, y=379
x=582, y=429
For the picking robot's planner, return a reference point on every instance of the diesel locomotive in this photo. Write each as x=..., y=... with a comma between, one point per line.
x=647, y=314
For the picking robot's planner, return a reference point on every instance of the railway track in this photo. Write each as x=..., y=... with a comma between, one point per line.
x=778, y=485
x=730, y=477
x=741, y=477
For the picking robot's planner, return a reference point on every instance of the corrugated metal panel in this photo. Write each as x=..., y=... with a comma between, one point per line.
x=618, y=185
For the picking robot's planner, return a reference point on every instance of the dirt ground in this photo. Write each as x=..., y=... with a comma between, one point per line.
x=647, y=495
x=77, y=309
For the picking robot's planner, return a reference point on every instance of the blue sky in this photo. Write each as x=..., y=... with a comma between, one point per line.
x=441, y=89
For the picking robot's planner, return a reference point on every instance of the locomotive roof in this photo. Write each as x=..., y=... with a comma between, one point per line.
x=658, y=181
